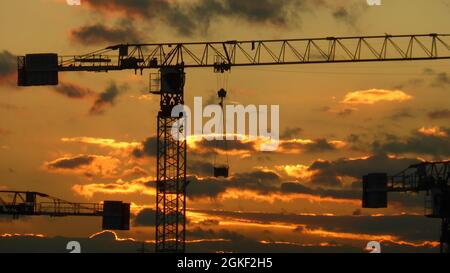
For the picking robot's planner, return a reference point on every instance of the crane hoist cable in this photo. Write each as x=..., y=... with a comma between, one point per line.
x=221, y=170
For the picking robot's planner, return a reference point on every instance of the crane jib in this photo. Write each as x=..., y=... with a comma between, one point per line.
x=42, y=69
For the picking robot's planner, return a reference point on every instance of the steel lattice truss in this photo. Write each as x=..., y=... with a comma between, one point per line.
x=429, y=177
x=171, y=181
x=224, y=55
x=18, y=203
x=421, y=177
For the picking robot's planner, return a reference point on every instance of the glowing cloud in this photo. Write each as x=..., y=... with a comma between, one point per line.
x=300, y=171
x=239, y=194
x=433, y=131
x=88, y=165
x=366, y=237
x=112, y=233
x=140, y=185
x=102, y=142
x=373, y=96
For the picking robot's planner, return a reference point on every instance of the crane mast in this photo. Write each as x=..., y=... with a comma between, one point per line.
x=171, y=166
x=430, y=177
x=171, y=59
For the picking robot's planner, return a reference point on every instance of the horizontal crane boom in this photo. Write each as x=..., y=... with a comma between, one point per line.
x=115, y=214
x=222, y=56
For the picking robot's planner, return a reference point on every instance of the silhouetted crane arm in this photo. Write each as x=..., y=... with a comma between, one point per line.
x=421, y=177
x=26, y=203
x=223, y=55
x=115, y=214
x=431, y=177
x=424, y=176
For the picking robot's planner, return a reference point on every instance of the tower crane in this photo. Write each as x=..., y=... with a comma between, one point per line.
x=171, y=59
x=430, y=177
x=115, y=214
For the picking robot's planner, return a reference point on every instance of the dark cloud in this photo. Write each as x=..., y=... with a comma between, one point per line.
x=202, y=148
x=349, y=14
x=439, y=114
x=194, y=17
x=409, y=83
x=210, y=222
x=401, y=114
x=325, y=181
x=417, y=143
x=188, y=18
x=207, y=146
x=145, y=217
x=357, y=212
x=316, y=146
x=98, y=33
x=260, y=181
x=396, y=225
x=296, y=187
x=8, y=66
x=141, y=7
x=257, y=180
x=353, y=138
x=206, y=187
x=345, y=112
x=440, y=79
x=72, y=162
x=201, y=168
x=105, y=99
x=355, y=193
x=73, y=90
x=328, y=173
x=102, y=100
x=343, y=14
x=148, y=148
x=102, y=243
x=290, y=133
x=232, y=242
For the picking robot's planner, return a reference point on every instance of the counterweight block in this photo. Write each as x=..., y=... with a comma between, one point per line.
x=375, y=190
x=37, y=69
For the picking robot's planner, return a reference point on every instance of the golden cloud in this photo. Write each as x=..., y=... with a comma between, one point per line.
x=9, y=235
x=297, y=146
x=302, y=172
x=366, y=237
x=433, y=131
x=103, y=142
x=240, y=194
x=113, y=233
x=88, y=165
x=139, y=185
x=373, y=96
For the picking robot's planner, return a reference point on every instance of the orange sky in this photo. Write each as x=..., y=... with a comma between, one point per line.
x=337, y=121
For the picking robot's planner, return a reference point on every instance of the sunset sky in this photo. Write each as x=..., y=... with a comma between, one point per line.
x=92, y=137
